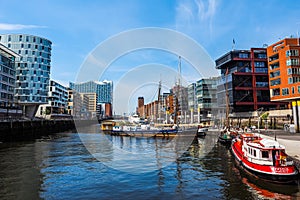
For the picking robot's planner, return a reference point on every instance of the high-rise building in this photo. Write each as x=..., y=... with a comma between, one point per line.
x=103, y=89
x=244, y=76
x=284, y=74
x=32, y=69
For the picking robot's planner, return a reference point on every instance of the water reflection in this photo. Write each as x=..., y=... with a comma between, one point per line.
x=62, y=168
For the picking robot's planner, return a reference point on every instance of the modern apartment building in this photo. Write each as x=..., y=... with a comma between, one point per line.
x=284, y=74
x=7, y=75
x=7, y=83
x=32, y=69
x=57, y=101
x=244, y=75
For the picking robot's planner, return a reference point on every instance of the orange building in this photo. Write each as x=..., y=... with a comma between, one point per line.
x=284, y=74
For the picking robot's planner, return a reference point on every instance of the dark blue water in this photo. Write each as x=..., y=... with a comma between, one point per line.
x=60, y=167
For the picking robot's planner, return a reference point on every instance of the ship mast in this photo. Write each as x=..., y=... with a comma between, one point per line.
x=227, y=98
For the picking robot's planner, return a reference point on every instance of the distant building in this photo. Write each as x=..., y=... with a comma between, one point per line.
x=284, y=74
x=192, y=98
x=206, y=94
x=57, y=101
x=245, y=75
x=92, y=103
x=104, y=89
x=32, y=69
x=74, y=103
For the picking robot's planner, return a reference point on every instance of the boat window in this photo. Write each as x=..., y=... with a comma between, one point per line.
x=254, y=152
x=251, y=151
x=265, y=154
x=248, y=150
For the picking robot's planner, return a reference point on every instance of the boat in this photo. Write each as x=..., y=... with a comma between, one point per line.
x=227, y=135
x=144, y=131
x=264, y=158
x=201, y=131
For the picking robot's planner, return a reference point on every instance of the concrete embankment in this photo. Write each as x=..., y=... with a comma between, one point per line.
x=28, y=129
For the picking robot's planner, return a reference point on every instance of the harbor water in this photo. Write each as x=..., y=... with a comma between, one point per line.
x=61, y=167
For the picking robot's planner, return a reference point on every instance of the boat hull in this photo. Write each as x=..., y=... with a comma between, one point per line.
x=225, y=141
x=266, y=173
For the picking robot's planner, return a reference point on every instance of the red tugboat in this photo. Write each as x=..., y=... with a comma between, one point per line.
x=264, y=158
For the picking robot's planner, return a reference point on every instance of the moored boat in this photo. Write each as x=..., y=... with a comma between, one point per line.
x=201, y=131
x=226, y=136
x=264, y=158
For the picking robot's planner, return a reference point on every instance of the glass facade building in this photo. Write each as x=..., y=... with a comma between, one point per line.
x=7, y=75
x=32, y=67
x=104, y=89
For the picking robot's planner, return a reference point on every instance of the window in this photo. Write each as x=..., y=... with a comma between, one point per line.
x=275, y=74
x=275, y=82
x=9, y=38
x=293, y=61
x=290, y=80
x=259, y=64
x=22, y=45
x=261, y=55
x=243, y=55
x=293, y=90
x=265, y=154
x=292, y=52
x=285, y=91
x=275, y=92
x=299, y=89
x=20, y=38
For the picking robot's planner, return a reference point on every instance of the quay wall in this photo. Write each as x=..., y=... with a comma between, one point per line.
x=32, y=129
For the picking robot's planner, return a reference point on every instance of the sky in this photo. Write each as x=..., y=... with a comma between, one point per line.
x=77, y=28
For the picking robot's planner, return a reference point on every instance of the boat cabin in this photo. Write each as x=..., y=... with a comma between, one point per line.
x=263, y=151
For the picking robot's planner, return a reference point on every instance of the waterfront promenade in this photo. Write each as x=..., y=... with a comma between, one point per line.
x=291, y=141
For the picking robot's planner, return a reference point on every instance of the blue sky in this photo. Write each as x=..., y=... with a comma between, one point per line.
x=77, y=27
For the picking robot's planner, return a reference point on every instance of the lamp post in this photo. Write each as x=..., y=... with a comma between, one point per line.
x=259, y=111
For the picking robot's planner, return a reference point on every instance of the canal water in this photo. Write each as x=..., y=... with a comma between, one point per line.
x=61, y=167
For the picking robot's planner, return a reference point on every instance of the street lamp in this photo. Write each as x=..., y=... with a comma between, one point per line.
x=259, y=111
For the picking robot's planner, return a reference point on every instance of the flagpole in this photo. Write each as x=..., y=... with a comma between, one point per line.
x=233, y=44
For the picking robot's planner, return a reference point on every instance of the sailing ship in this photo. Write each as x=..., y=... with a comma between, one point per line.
x=264, y=158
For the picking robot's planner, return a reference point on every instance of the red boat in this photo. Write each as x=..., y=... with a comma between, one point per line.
x=264, y=158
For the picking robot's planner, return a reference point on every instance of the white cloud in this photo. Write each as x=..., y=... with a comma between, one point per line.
x=206, y=11
x=11, y=27
x=197, y=17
